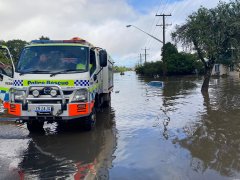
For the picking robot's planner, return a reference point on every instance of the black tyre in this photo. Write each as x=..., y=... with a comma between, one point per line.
x=90, y=121
x=97, y=104
x=61, y=125
x=35, y=126
x=107, y=103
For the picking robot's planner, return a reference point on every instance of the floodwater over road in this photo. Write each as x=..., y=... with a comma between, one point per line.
x=150, y=132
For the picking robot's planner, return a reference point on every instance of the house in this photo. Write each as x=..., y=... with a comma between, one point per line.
x=220, y=69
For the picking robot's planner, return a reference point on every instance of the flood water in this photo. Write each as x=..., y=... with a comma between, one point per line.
x=149, y=132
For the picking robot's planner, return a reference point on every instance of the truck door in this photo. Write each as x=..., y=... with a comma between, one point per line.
x=6, y=76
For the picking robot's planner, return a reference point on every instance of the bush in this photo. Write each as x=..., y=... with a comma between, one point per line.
x=177, y=63
x=150, y=68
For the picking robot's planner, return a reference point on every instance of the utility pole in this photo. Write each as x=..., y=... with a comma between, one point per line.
x=164, y=37
x=164, y=25
x=140, y=59
x=145, y=54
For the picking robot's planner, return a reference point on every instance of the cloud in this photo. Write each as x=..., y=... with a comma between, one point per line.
x=101, y=22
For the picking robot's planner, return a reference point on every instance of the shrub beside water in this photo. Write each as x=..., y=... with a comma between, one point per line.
x=177, y=63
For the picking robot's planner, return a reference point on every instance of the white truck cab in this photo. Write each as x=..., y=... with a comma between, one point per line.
x=60, y=80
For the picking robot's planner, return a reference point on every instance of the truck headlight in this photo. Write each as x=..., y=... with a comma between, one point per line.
x=53, y=92
x=80, y=95
x=35, y=93
x=19, y=95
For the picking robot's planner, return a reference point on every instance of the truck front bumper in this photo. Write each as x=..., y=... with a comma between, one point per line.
x=73, y=110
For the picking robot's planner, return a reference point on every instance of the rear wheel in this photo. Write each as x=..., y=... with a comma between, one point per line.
x=35, y=126
x=90, y=121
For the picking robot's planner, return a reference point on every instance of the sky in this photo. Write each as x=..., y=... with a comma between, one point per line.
x=101, y=22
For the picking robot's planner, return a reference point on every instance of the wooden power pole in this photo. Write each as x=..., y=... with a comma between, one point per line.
x=164, y=38
x=145, y=54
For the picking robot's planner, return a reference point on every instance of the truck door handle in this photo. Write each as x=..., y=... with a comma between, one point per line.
x=1, y=77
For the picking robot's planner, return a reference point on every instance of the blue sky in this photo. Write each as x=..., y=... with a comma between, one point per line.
x=144, y=6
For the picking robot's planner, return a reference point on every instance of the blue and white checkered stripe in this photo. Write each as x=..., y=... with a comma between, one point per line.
x=18, y=83
x=84, y=83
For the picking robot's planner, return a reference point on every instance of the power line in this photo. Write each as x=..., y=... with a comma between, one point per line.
x=180, y=10
x=152, y=44
x=176, y=8
x=151, y=30
x=163, y=10
x=166, y=5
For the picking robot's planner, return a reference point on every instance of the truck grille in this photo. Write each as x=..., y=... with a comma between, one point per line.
x=46, y=99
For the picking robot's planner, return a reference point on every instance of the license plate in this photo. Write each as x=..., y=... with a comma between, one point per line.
x=43, y=109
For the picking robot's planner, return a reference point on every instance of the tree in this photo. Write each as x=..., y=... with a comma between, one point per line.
x=212, y=33
x=168, y=49
x=15, y=48
x=150, y=68
x=179, y=63
x=121, y=69
x=44, y=38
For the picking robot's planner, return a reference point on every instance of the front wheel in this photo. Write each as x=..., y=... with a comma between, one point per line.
x=35, y=126
x=90, y=121
x=107, y=100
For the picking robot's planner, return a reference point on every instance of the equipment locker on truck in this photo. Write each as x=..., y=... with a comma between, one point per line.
x=60, y=80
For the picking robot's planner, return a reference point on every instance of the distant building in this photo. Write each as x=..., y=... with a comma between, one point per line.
x=220, y=69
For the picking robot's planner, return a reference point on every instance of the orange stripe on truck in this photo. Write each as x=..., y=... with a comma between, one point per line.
x=6, y=105
x=80, y=109
x=15, y=109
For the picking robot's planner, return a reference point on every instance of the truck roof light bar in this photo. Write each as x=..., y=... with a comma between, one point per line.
x=56, y=41
x=73, y=40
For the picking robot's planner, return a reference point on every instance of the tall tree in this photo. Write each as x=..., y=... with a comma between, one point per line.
x=15, y=47
x=212, y=33
x=178, y=63
x=168, y=49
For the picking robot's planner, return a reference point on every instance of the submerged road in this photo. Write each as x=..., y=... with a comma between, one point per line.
x=149, y=132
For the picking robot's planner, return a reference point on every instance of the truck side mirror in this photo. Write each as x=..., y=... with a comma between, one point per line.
x=94, y=77
x=103, y=58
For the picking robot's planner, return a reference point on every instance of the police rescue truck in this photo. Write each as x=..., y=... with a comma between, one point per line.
x=56, y=81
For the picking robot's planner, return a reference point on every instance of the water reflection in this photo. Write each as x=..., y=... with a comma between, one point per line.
x=214, y=143
x=207, y=126
x=174, y=96
x=174, y=93
x=75, y=155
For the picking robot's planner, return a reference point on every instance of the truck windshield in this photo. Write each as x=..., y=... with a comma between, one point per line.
x=53, y=58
